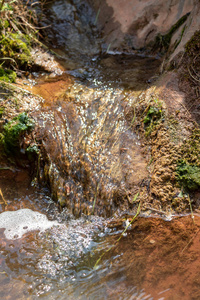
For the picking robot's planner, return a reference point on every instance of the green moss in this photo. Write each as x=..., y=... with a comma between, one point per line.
x=32, y=151
x=188, y=176
x=17, y=47
x=188, y=168
x=14, y=130
x=163, y=41
x=152, y=117
x=2, y=109
x=7, y=75
x=153, y=114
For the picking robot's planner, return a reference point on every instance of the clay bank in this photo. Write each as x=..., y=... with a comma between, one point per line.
x=100, y=139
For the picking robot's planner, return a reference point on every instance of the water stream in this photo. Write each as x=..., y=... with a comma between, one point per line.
x=93, y=162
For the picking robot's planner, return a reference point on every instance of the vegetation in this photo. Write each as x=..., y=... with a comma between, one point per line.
x=7, y=75
x=17, y=31
x=162, y=42
x=188, y=168
x=154, y=114
x=188, y=176
x=16, y=47
x=13, y=132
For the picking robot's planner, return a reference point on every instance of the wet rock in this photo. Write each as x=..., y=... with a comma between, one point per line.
x=137, y=23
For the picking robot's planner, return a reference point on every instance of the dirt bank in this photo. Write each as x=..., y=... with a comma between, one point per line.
x=160, y=257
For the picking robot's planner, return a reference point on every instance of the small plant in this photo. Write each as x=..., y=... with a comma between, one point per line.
x=154, y=114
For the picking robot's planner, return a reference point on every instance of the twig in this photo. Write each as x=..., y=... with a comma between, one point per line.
x=156, y=210
x=1, y=194
x=192, y=75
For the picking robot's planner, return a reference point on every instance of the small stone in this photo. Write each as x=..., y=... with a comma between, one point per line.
x=152, y=241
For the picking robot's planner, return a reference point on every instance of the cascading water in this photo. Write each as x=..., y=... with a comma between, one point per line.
x=93, y=163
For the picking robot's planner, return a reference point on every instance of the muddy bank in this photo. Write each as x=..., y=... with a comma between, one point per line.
x=160, y=257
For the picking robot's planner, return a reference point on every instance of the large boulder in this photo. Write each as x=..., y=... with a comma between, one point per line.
x=135, y=24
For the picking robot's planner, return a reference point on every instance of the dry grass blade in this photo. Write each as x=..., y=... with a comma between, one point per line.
x=192, y=75
x=4, y=200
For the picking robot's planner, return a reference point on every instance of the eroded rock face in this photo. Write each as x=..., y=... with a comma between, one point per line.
x=133, y=24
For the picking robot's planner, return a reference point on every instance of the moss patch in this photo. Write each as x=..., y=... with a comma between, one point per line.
x=14, y=130
x=7, y=75
x=188, y=168
x=2, y=109
x=162, y=42
x=188, y=176
x=16, y=47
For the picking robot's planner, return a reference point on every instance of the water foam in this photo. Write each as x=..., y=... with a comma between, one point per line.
x=19, y=222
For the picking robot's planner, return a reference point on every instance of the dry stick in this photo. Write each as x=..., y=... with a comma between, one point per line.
x=1, y=194
x=137, y=213
x=195, y=71
x=192, y=75
x=156, y=210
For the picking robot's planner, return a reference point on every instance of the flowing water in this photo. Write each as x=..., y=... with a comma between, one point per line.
x=94, y=166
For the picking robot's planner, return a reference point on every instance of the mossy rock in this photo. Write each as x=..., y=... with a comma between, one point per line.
x=17, y=47
x=7, y=75
x=162, y=42
x=188, y=176
x=14, y=130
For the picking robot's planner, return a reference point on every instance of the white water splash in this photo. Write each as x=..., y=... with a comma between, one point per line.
x=19, y=222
